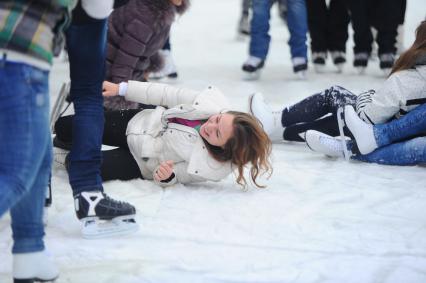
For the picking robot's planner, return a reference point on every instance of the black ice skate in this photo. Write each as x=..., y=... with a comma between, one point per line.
x=361, y=61
x=252, y=68
x=57, y=111
x=339, y=59
x=386, y=62
x=300, y=66
x=319, y=58
x=103, y=216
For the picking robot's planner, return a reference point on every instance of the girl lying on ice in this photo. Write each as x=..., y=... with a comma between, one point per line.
x=404, y=90
x=188, y=137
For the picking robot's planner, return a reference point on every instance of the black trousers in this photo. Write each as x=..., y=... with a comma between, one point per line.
x=328, y=26
x=316, y=112
x=384, y=15
x=117, y=164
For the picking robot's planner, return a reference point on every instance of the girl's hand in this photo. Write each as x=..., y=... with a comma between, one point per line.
x=164, y=171
x=109, y=89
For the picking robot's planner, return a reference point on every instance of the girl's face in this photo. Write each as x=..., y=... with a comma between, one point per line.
x=218, y=129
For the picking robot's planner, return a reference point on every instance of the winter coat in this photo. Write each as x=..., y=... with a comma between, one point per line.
x=136, y=31
x=401, y=92
x=152, y=139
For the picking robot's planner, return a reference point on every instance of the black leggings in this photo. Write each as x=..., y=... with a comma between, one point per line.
x=316, y=112
x=117, y=164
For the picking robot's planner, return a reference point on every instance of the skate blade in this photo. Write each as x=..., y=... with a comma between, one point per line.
x=319, y=68
x=94, y=228
x=341, y=123
x=301, y=75
x=340, y=67
x=361, y=70
x=251, y=76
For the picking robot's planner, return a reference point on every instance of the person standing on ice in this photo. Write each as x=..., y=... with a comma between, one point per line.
x=404, y=90
x=31, y=32
x=259, y=37
x=188, y=138
x=86, y=42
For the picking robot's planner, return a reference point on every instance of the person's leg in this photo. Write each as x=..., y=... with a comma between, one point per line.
x=114, y=129
x=410, y=125
x=260, y=38
x=363, y=37
x=337, y=26
x=119, y=164
x=317, y=21
x=298, y=28
x=86, y=49
x=326, y=125
x=24, y=118
x=317, y=106
x=409, y=152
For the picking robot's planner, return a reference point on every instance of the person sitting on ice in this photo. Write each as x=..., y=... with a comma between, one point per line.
x=189, y=137
x=403, y=91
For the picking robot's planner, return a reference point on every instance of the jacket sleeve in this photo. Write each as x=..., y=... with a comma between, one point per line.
x=181, y=176
x=131, y=50
x=159, y=94
x=380, y=107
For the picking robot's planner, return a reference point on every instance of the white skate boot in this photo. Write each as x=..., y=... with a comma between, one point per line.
x=34, y=267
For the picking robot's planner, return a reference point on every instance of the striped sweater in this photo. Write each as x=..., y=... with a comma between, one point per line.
x=34, y=27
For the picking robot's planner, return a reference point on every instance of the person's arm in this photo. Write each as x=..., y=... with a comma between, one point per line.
x=151, y=93
x=177, y=174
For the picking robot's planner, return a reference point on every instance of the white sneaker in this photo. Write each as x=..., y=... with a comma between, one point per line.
x=169, y=69
x=36, y=266
x=363, y=133
x=271, y=120
x=320, y=142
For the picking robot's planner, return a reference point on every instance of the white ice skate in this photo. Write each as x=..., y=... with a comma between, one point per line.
x=34, y=267
x=169, y=71
x=320, y=142
x=252, y=68
x=103, y=216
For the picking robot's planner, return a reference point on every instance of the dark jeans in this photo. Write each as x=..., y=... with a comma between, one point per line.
x=328, y=26
x=316, y=112
x=384, y=15
x=117, y=164
x=86, y=50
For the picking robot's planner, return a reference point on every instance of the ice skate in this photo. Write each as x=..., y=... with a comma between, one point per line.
x=57, y=109
x=300, y=66
x=103, y=216
x=361, y=62
x=33, y=267
x=339, y=59
x=320, y=142
x=319, y=58
x=252, y=68
x=270, y=120
x=168, y=71
x=386, y=62
x=361, y=133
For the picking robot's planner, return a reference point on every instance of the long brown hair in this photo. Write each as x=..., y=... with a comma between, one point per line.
x=408, y=59
x=248, y=144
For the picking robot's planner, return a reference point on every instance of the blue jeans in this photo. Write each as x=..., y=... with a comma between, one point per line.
x=86, y=49
x=297, y=25
x=401, y=141
x=25, y=151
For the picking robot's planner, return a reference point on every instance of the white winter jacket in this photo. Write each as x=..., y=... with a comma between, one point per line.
x=152, y=139
x=401, y=92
